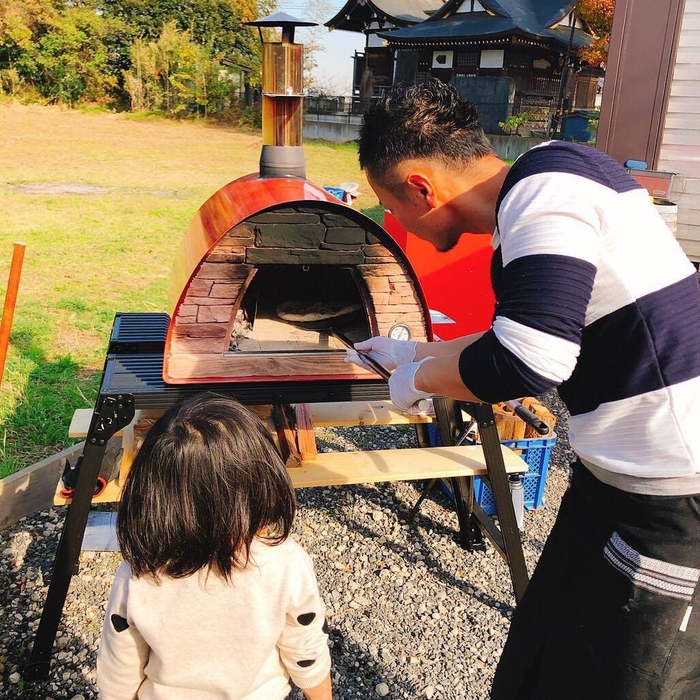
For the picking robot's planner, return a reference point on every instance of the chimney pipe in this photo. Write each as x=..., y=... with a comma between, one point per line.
x=283, y=96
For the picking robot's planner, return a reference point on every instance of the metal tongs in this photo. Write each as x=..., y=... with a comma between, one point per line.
x=382, y=371
x=528, y=416
x=424, y=405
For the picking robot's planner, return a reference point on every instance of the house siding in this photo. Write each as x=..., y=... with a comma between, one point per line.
x=680, y=141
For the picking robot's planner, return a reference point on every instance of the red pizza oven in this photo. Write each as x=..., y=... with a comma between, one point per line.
x=265, y=246
x=271, y=262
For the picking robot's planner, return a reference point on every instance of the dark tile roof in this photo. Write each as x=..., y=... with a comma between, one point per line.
x=355, y=14
x=527, y=13
x=528, y=18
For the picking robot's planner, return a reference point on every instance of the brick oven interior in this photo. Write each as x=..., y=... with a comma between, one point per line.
x=232, y=318
x=322, y=289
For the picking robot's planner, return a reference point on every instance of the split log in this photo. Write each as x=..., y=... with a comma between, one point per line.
x=509, y=426
x=284, y=420
x=306, y=437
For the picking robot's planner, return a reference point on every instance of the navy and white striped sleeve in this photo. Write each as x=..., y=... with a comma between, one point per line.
x=550, y=231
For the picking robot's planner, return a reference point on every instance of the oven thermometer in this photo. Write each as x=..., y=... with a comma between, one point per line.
x=400, y=332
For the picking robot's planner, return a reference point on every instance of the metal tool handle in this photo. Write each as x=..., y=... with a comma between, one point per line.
x=383, y=372
x=529, y=417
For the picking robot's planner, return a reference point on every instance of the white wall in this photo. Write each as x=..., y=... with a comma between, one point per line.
x=680, y=142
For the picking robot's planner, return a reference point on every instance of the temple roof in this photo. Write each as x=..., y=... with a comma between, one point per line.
x=280, y=19
x=529, y=18
x=356, y=15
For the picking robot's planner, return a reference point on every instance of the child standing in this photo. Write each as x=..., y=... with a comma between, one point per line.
x=214, y=599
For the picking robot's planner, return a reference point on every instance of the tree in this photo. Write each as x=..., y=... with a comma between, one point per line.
x=513, y=123
x=216, y=24
x=62, y=52
x=598, y=16
x=72, y=50
x=22, y=23
x=173, y=74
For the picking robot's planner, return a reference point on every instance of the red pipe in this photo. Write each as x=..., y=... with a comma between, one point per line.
x=10, y=301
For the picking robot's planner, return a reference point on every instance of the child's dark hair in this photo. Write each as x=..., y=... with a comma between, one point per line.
x=424, y=120
x=207, y=479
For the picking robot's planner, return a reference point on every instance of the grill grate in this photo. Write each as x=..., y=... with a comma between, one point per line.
x=135, y=333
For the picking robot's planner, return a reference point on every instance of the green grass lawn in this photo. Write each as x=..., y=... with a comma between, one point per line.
x=108, y=249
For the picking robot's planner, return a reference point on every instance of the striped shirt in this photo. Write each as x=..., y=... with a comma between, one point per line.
x=595, y=296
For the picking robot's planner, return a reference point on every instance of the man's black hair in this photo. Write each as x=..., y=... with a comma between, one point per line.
x=427, y=120
x=206, y=481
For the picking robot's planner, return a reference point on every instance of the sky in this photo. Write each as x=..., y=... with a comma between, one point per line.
x=334, y=71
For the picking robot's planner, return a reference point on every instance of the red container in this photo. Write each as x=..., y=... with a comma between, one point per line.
x=456, y=284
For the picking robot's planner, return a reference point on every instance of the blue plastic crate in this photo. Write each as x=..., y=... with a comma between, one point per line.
x=534, y=451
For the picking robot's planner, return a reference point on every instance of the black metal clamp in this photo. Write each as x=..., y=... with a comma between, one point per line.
x=112, y=413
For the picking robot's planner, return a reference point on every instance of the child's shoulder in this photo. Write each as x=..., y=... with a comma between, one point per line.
x=124, y=572
x=287, y=551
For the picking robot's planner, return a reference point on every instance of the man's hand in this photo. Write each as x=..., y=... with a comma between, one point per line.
x=402, y=388
x=387, y=352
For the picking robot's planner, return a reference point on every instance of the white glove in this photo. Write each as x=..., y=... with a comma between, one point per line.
x=402, y=389
x=389, y=353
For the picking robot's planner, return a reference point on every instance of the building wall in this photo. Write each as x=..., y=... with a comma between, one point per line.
x=329, y=127
x=680, y=139
x=493, y=97
x=342, y=129
x=503, y=82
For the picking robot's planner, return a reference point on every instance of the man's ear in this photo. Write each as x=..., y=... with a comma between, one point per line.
x=421, y=184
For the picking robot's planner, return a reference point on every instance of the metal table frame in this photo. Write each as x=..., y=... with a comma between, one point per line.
x=132, y=379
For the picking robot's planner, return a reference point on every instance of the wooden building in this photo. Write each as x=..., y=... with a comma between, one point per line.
x=374, y=67
x=523, y=53
x=651, y=102
x=680, y=138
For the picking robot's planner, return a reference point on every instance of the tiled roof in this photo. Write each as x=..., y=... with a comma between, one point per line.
x=528, y=18
x=355, y=14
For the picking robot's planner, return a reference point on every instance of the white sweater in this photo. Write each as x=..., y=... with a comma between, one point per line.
x=201, y=638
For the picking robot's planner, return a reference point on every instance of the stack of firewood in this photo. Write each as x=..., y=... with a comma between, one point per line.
x=511, y=427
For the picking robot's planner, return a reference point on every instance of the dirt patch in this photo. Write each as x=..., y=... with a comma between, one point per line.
x=58, y=188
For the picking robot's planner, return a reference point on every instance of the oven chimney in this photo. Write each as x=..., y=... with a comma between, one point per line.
x=283, y=96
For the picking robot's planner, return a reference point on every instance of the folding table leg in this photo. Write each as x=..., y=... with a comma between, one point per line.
x=450, y=424
x=471, y=537
x=512, y=546
x=115, y=413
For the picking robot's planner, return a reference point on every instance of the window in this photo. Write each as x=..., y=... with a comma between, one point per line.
x=491, y=58
x=442, y=59
x=519, y=59
x=467, y=62
x=467, y=59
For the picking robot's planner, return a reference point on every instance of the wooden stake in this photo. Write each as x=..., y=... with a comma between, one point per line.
x=10, y=301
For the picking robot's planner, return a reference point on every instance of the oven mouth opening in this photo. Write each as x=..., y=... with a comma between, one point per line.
x=290, y=309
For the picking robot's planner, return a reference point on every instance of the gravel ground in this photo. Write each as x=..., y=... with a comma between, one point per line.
x=412, y=615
